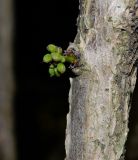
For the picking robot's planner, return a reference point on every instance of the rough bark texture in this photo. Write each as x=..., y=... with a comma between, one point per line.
x=6, y=81
x=97, y=123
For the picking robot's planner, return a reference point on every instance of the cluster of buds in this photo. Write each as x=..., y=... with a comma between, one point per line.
x=57, y=59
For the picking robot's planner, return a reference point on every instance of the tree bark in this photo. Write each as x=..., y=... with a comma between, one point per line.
x=97, y=123
x=7, y=146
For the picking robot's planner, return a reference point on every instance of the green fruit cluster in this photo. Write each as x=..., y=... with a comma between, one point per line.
x=57, y=60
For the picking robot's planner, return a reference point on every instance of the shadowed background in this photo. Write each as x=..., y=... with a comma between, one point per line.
x=41, y=102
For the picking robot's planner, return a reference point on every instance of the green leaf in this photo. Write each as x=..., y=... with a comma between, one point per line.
x=47, y=58
x=52, y=48
x=61, y=68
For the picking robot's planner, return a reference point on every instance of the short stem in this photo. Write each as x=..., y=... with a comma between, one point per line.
x=70, y=58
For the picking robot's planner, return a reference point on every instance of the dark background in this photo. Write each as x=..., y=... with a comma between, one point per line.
x=41, y=102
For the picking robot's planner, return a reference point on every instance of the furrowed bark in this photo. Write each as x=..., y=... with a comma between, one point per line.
x=7, y=146
x=97, y=123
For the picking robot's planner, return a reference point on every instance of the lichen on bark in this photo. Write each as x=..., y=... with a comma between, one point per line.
x=97, y=123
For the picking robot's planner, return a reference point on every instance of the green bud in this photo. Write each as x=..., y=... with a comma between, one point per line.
x=52, y=48
x=51, y=72
x=56, y=56
x=47, y=58
x=61, y=68
x=59, y=50
x=63, y=59
x=56, y=72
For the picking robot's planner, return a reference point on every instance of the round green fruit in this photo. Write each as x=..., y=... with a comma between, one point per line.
x=52, y=48
x=59, y=50
x=47, y=58
x=51, y=72
x=56, y=72
x=51, y=66
x=63, y=59
x=61, y=68
x=56, y=56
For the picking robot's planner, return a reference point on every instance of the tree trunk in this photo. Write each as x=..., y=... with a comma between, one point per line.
x=6, y=81
x=97, y=123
